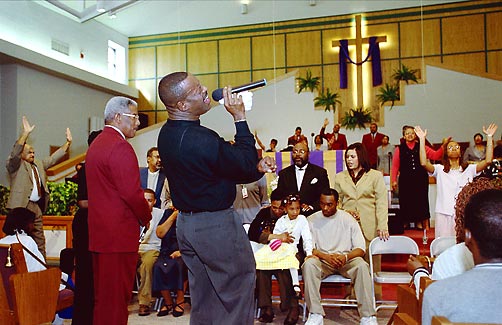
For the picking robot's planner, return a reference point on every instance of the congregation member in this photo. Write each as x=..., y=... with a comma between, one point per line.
x=336, y=140
x=339, y=249
x=169, y=271
x=411, y=179
x=451, y=176
x=476, y=151
x=18, y=227
x=83, y=303
x=153, y=176
x=149, y=249
x=297, y=137
x=470, y=296
x=384, y=154
x=28, y=178
x=303, y=178
x=458, y=258
x=295, y=224
x=319, y=144
x=371, y=141
x=250, y=198
x=363, y=194
x=202, y=174
x=272, y=145
x=262, y=231
x=117, y=208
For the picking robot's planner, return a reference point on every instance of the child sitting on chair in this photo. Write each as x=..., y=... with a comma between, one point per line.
x=297, y=225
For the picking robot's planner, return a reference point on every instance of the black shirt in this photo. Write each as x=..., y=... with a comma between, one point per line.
x=264, y=221
x=202, y=168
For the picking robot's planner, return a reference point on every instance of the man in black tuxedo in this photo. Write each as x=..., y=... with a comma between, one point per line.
x=307, y=180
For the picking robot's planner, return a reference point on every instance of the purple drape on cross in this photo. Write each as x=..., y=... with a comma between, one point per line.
x=373, y=52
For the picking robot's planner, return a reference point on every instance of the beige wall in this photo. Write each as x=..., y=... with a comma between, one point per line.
x=466, y=35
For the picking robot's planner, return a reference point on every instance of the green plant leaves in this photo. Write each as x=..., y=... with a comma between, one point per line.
x=309, y=82
x=63, y=199
x=357, y=117
x=388, y=93
x=4, y=197
x=328, y=100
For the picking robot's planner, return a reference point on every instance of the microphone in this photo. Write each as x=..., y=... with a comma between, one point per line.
x=218, y=93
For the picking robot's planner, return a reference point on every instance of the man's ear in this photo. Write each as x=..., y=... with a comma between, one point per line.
x=181, y=106
x=467, y=237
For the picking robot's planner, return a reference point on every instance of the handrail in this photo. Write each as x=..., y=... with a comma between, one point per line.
x=65, y=165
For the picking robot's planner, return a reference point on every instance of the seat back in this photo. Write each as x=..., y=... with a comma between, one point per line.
x=440, y=244
x=10, y=254
x=394, y=245
x=35, y=295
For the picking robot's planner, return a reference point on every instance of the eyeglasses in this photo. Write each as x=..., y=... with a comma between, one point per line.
x=301, y=152
x=453, y=147
x=134, y=116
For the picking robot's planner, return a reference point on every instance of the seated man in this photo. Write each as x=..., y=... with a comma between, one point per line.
x=340, y=248
x=261, y=231
x=148, y=253
x=469, y=297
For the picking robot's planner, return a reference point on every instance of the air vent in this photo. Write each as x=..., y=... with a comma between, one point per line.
x=60, y=46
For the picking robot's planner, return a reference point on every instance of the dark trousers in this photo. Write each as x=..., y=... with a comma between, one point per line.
x=84, y=280
x=217, y=252
x=264, y=287
x=113, y=280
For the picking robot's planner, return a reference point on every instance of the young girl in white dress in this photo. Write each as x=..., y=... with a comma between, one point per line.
x=297, y=226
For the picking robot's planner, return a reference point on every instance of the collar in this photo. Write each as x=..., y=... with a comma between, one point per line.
x=116, y=129
x=303, y=168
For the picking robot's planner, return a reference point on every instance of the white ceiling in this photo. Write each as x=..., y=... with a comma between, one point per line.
x=148, y=17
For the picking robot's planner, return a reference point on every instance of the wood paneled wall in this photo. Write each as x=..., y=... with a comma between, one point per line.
x=467, y=35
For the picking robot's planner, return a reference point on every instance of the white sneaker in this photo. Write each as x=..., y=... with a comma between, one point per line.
x=315, y=319
x=369, y=320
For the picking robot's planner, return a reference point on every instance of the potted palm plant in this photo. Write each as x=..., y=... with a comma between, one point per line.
x=308, y=83
x=388, y=93
x=357, y=117
x=327, y=100
x=405, y=74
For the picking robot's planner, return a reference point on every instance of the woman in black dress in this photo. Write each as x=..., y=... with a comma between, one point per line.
x=169, y=271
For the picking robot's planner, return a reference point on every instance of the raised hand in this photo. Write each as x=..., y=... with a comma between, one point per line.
x=490, y=131
x=68, y=135
x=421, y=134
x=27, y=128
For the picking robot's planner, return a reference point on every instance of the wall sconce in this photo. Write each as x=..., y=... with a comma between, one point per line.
x=244, y=8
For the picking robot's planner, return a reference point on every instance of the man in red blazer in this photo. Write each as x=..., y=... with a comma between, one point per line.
x=371, y=142
x=336, y=140
x=117, y=208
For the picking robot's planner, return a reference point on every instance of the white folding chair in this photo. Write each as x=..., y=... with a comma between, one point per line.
x=333, y=302
x=394, y=245
x=440, y=244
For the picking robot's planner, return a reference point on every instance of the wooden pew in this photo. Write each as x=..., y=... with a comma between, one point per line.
x=26, y=297
x=409, y=310
x=64, y=298
x=440, y=320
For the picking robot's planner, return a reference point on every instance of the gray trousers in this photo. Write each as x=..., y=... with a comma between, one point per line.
x=221, y=267
x=314, y=270
x=38, y=233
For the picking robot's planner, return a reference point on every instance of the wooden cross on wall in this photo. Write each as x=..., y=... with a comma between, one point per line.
x=358, y=42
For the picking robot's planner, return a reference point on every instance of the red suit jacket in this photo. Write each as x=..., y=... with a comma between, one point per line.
x=117, y=205
x=372, y=145
x=339, y=144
